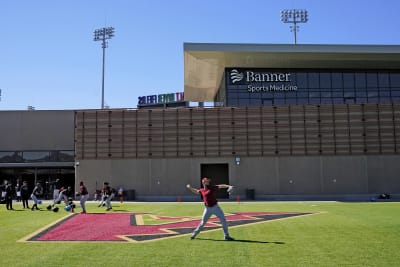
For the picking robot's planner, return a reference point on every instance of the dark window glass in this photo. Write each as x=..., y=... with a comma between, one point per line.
x=373, y=86
x=395, y=79
x=233, y=102
x=349, y=100
x=325, y=80
x=291, y=94
x=315, y=94
x=313, y=80
x=244, y=95
x=325, y=100
x=279, y=95
x=36, y=156
x=291, y=101
x=372, y=80
x=302, y=101
x=384, y=99
x=302, y=80
x=267, y=94
x=279, y=101
x=231, y=94
x=337, y=80
x=53, y=156
x=63, y=156
x=337, y=94
x=361, y=100
x=348, y=80
x=302, y=94
x=326, y=94
x=267, y=101
x=383, y=79
x=337, y=100
x=361, y=93
x=384, y=93
x=243, y=101
x=10, y=156
x=395, y=93
x=360, y=81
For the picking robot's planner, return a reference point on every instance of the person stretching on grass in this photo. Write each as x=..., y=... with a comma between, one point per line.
x=208, y=193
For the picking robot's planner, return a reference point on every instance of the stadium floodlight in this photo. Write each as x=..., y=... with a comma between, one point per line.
x=294, y=16
x=102, y=35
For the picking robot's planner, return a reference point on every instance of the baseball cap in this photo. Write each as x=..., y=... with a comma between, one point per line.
x=205, y=179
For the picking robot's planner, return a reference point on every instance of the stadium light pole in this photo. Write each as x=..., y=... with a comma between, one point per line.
x=102, y=35
x=294, y=16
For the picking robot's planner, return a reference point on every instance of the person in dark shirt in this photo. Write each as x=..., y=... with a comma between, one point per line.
x=25, y=194
x=9, y=195
x=208, y=193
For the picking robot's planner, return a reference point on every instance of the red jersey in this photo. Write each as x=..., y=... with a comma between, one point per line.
x=83, y=190
x=209, y=195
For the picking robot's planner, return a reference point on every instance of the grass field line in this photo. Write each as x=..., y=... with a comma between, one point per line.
x=26, y=238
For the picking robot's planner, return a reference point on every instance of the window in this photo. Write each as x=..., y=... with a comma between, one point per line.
x=383, y=80
x=394, y=79
x=348, y=80
x=301, y=79
x=372, y=80
x=337, y=80
x=36, y=156
x=325, y=80
x=10, y=156
x=315, y=94
x=349, y=94
x=360, y=80
x=313, y=80
x=322, y=86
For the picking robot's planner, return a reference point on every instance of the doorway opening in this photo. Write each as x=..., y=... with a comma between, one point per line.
x=219, y=174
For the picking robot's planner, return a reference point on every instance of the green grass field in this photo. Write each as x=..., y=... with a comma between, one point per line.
x=341, y=234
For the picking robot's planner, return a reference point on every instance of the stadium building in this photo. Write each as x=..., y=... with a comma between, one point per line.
x=287, y=122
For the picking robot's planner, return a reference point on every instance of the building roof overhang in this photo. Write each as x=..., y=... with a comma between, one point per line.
x=204, y=63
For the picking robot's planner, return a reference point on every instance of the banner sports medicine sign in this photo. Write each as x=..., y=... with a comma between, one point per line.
x=260, y=80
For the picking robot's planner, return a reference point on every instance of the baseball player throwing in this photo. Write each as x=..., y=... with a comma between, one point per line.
x=208, y=193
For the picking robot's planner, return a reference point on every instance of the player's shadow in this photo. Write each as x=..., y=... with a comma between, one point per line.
x=245, y=241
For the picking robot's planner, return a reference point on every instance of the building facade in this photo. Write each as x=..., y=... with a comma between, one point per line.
x=288, y=122
x=37, y=146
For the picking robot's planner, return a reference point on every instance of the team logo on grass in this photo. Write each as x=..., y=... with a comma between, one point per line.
x=133, y=227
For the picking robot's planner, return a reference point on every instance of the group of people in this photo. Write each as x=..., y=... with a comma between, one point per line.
x=23, y=193
x=20, y=190
x=207, y=192
x=60, y=195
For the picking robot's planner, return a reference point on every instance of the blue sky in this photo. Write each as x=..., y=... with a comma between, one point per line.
x=48, y=58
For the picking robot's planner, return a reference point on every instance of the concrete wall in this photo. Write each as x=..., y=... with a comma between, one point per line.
x=37, y=130
x=316, y=175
